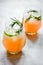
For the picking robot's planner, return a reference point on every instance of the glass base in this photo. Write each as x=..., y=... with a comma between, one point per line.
x=13, y=52
x=31, y=33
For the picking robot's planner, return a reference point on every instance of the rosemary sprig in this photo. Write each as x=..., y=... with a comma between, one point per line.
x=16, y=21
x=32, y=11
x=28, y=18
x=38, y=18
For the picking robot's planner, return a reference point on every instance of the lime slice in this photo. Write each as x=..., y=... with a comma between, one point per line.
x=36, y=14
x=14, y=28
x=10, y=32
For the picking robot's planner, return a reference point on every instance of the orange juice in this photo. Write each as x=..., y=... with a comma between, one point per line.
x=13, y=40
x=32, y=23
x=32, y=27
x=13, y=45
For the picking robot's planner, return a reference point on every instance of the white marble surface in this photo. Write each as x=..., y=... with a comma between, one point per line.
x=32, y=53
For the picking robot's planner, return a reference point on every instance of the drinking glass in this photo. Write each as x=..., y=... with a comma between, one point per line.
x=32, y=21
x=14, y=37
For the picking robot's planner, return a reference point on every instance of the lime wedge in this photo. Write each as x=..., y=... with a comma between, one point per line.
x=33, y=14
x=36, y=14
x=10, y=32
x=14, y=28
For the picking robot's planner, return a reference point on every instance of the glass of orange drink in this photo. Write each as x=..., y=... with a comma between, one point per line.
x=32, y=21
x=14, y=37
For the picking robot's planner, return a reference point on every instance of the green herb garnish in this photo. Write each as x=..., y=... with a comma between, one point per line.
x=16, y=21
x=32, y=11
x=10, y=31
x=28, y=18
x=38, y=18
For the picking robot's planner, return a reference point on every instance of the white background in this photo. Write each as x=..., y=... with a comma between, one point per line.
x=33, y=53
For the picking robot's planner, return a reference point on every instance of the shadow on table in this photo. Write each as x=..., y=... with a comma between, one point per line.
x=32, y=38
x=14, y=59
x=35, y=40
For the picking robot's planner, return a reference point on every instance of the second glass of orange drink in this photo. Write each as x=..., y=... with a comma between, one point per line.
x=32, y=21
x=14, y=38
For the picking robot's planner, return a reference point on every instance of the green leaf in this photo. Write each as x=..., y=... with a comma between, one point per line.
x=16, y=21
x=38, y=18
x=28, y=18
x=32, y=11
